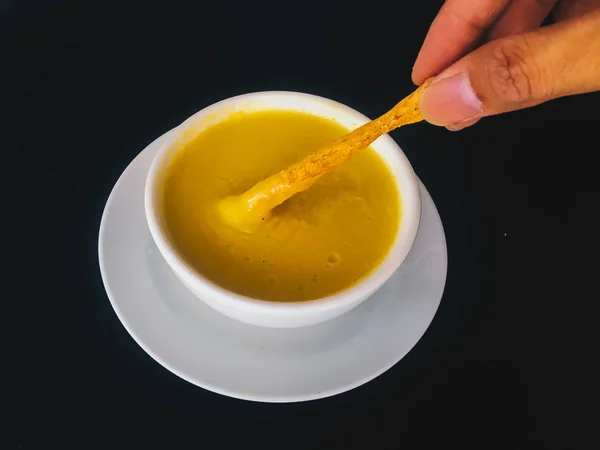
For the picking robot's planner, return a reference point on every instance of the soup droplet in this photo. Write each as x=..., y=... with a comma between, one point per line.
x=334, y=258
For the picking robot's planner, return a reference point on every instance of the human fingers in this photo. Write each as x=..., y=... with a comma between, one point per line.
x=517, y=72
x=520, y=16
x=454, y=31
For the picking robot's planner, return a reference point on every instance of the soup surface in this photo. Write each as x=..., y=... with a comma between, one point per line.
x=317, y=243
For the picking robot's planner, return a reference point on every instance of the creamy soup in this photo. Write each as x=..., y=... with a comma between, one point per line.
x=317, y=243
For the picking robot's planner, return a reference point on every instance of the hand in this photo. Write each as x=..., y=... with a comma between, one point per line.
x=521, y=64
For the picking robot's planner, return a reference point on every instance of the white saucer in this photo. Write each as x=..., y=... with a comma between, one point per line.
x=238, y=360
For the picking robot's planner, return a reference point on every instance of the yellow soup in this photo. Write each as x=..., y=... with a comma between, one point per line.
x=317, y=243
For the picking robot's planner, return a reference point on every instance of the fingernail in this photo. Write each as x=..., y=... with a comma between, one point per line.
x=455, y=127
x=462, y=124
x=450, y=101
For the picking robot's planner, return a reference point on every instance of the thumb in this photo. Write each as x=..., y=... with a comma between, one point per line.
x=517, y=72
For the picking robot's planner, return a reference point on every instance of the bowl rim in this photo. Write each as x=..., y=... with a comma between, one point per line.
x=354, y=294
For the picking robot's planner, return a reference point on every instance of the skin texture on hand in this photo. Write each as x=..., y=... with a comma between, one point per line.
x=519, y=63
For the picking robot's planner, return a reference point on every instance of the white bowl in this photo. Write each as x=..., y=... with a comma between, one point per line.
x=268, y=313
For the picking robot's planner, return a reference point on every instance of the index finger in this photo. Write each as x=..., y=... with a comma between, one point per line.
x=456, y=28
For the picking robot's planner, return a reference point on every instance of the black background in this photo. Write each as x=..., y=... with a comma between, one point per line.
x=87, y=85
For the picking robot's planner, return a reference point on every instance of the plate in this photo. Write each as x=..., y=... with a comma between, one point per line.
x=238, y=360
